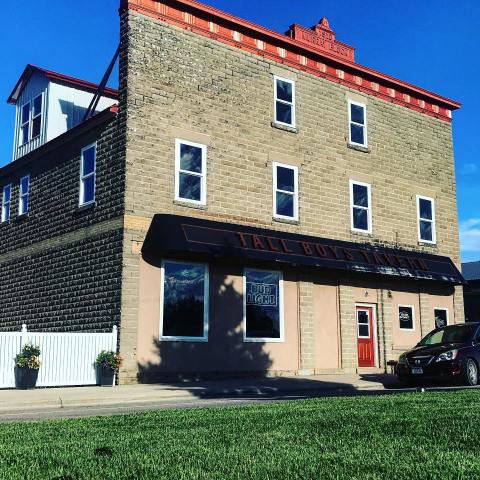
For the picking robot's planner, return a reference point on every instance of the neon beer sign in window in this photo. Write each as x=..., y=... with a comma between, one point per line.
x=262, y=294
x=263, y=306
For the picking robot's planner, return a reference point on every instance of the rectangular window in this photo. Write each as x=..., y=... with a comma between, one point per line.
x=263, y=306
x=363, y=321
x=284, y=101
x=190, y=172
x=184, y=309
x=357, y=117
x=406, y=317
x=361, y=206
x=37, y=116
x=25, y=124
x=285, y=191
x=6, y=200
x=88, y=167
x=426, y=219
x=24, y=194
x=441, y=317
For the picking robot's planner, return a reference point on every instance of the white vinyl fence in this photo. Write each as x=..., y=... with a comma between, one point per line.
x=67, y=358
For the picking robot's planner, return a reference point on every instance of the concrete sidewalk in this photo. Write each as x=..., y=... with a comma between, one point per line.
x=54, y=398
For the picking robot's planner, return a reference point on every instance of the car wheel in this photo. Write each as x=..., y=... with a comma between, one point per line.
x=470, y=373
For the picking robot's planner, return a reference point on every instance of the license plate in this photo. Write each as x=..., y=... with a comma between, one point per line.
x=417, y=371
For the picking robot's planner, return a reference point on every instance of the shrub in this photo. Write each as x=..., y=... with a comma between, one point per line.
x=109, y=360
x=29, y=357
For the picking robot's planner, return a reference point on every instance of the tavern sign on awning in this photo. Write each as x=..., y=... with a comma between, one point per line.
x=170, y=234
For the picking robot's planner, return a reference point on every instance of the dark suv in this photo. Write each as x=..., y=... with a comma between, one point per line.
x=448, y=353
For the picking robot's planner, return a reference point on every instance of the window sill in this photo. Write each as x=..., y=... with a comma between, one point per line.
x=22, y=217
x=361, y=234
x=286, y=220
x=427, y=244
x=285, y=128
x=263, y=340
x=197, y=206
x=359, y=148
x=86, y=207
x=184, y=339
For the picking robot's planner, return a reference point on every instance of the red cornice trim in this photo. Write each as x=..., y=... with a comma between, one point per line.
x=181, y=13
x=104, y=116
x=59, y=77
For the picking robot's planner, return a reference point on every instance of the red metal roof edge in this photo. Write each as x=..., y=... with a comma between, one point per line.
x=206, y=9
x=87, y=125
x=60, y=77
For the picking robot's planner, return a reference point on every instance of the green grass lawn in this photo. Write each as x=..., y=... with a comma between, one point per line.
x=411, y=436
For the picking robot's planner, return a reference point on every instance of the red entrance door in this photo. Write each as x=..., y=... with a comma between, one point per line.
x=366, y=349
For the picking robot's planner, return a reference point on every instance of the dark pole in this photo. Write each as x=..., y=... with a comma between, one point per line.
x=96, y=98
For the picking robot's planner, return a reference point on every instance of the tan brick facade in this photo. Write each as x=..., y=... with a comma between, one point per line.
x=177, y=84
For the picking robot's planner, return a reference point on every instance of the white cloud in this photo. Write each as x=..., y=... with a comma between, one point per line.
x=470, y=235
x=469, y=169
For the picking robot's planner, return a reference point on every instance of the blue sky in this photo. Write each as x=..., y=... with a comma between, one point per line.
x=431, y=43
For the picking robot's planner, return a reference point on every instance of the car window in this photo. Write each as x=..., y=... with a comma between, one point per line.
x=456, y=334
x=436, y=338
x=477, y=337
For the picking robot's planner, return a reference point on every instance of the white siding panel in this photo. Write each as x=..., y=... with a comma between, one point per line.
x=67, y=107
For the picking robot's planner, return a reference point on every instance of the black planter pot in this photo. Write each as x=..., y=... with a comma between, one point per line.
x=25, y=378
x=106, y=376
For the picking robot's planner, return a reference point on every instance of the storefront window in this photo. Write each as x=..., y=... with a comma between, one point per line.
x=441, y=317
x=406, y=318
x=263, y=306
x=184, y=301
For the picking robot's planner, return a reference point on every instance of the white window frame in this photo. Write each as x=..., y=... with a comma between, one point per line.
x=22, y=141
x=83, y=178
x=204, y=339
x=281, y=307
x=445, y=310
x=369, y=209
x=361, y=308
x=293, y=194
x=203, y=175
x=413, y=318
x=22, y=195
x=292, y=104
x=33, y=117
x=433, y=221
x=350, y=122
x=6, y=205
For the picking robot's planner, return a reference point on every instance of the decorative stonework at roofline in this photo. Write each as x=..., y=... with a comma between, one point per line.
x=322, y=38
x=333, y=60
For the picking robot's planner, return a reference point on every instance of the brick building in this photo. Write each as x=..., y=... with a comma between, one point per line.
x=260, y=204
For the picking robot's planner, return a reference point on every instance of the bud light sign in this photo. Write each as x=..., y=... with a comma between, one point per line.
x=262, y=294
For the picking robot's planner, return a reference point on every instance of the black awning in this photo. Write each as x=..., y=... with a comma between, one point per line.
x=176, y=235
